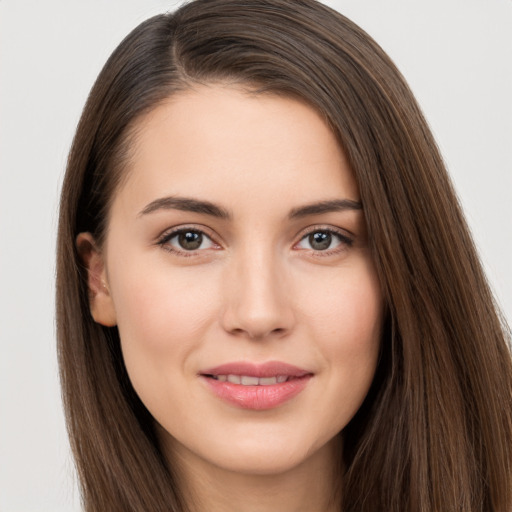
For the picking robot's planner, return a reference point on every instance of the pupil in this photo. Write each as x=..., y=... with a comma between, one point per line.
x=320, y=240
x=190, y=240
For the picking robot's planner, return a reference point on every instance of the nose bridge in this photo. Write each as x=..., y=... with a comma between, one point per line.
x=257, y=303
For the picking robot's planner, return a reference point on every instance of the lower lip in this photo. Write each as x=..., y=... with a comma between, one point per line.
x=258, y=398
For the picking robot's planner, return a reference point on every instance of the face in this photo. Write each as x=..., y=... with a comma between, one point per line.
x=237, y=269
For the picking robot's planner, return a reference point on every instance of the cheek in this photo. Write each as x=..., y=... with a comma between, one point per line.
x=162, y=317
x=346, y=312
x=359, y=319
x=347, y=325
x=156, y=307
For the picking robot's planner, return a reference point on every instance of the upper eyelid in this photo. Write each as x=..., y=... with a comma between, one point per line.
x=323, y=227
x=171, y=232
x=346, y=239
x=163, y=240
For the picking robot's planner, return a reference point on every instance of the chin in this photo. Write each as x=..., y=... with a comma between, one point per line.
x=265, y=453
x=265, y=461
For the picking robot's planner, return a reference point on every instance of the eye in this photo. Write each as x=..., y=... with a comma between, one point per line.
x=324, y=240
x=186, y=240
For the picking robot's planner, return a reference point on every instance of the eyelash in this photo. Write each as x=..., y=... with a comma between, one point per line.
x=345, y=241
x=164, y=240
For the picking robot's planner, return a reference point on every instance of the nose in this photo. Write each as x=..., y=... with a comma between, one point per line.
x=257, y=297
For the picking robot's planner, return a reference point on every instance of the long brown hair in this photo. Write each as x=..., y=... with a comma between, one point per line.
x=435, y=431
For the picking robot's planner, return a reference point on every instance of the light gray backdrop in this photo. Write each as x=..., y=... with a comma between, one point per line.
x=456, y=55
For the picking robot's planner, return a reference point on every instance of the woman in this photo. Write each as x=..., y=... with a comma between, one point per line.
x=267, y=295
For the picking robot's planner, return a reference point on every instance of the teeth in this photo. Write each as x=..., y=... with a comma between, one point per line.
x=249, y=380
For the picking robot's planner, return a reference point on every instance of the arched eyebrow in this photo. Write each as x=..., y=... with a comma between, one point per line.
x=334, y=205
x=187, y=205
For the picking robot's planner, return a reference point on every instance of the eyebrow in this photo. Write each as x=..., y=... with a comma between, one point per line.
x=187, y=205
x=334, y=205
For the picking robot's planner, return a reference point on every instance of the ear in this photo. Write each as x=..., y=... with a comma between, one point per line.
x=100, y=300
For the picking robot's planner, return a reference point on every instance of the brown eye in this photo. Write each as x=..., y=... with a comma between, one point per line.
x=190, y=240
x=186, y=240
x=324, y=240
x=320, y=240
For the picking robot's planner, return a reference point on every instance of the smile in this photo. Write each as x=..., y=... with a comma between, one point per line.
x=256, y=387
x=249, y=380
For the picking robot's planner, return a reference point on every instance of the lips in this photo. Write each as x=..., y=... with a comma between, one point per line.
x=257, y=387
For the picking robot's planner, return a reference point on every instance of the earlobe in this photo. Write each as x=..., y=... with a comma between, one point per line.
x=100, y=300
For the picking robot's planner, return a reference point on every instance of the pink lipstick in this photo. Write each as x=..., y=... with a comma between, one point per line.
x=256, y=386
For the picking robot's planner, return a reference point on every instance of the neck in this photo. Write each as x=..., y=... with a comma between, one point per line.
x=312, y=485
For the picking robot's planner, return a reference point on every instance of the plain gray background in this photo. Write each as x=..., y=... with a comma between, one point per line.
x=456, y=55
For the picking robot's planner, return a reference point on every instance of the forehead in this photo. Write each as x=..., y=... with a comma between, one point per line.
x=216, y=142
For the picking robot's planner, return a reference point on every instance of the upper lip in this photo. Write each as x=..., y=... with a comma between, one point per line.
x=269, y=369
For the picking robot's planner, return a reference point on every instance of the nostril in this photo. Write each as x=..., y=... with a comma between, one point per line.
x=277, y=332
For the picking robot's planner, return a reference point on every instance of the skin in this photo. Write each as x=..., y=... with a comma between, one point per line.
x=258, y=289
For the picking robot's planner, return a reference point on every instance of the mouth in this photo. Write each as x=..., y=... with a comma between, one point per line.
x=250, y=380
x=256, y=387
